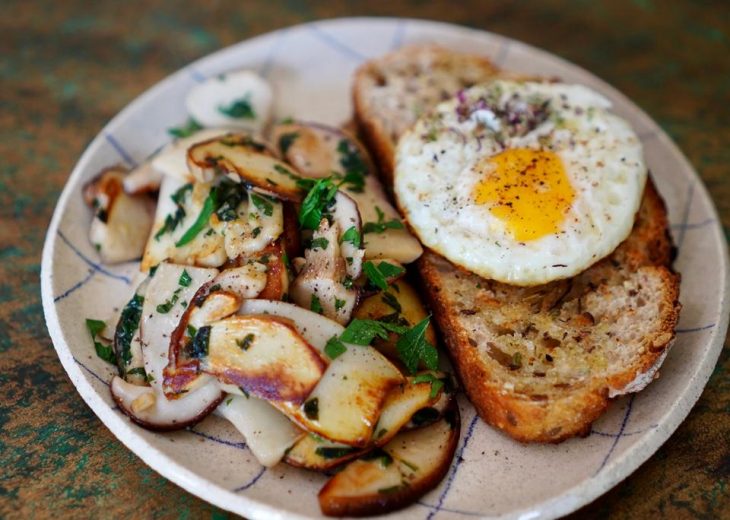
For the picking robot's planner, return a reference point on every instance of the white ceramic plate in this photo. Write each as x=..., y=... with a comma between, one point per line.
x=492, y=476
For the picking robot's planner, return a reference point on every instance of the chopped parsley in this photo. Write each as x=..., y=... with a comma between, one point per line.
x=334, y=452
x=381, y=225
x=185, y=279
x=164, y=308
x=352, y=235
x=263, y=204
x=320, y=243
x=174, y=220
x=413, y=348
x=339, y=304
x=436, y=383
x=239, y=109
x=311, y=409
x=315, y=204
x=334, y=348
x=286, y=140
x=350, y=158
x=245, y=343
x=198, y=348
x=127, y=326
x=137, y=371
x=186, y=130
x=378, y=274
x=209, y=207
x=315, y=305
x=105, y=352
x=390, y=300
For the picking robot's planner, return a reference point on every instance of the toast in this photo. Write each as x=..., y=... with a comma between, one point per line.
x=540, y=363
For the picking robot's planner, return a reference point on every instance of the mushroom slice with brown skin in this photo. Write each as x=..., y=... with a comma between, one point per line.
x=264, y=356
x=273, y=261
x=317, y=150
x=246, y=281
x=121, y=221
x=268, y=432
x=169, y=295
x=172, y=159
x=320, y=286
x=403, y=401
x=240, y=155
x=400, y=473
x=143, y=179
x=150, y=409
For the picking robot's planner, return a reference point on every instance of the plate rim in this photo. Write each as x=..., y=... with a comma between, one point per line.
x=575, y=497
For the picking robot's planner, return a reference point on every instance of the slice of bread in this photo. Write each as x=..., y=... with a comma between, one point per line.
x=392, y=92
x=542, y=363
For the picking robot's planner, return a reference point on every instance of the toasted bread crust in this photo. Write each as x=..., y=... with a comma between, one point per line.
x=531, y=418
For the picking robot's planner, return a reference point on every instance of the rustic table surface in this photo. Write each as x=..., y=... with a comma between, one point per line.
x=67, y=67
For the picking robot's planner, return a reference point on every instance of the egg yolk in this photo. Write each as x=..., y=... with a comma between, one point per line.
x=526, y=189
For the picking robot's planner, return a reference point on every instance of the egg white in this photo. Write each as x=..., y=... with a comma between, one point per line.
x=435, y=178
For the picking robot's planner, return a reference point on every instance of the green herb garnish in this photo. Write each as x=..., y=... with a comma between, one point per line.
x=263, y=204
x=334, y=348
x=311, y=409
x=186, y=130
x=413, y=348
x=315, y=305
x=352, y=235
x=334, y=452
x=381, y=225
x=320, y=243
x=105, y=352
x=185, y=279
x=436, y=383
x=209, y=207
x=239, y=109
x=127, y=326
x=378, y=274
x=286, y=140
x=245, y=343
x=316, y=202
x=198, y=348
x=173, y=220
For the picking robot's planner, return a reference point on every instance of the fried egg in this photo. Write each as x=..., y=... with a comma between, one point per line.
x=521, y=182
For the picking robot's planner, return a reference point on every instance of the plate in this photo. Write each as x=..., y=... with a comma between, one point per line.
x=310, y=67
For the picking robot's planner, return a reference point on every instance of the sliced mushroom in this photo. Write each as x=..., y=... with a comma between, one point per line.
x=264, y=356
x=347, y=217
x=400, y=406
x=273, y=261
x=128, y=339
x=320, y=286
x=268, y=433
x=246, y=281
x=167, y=299
x=183, y=371
x=143, y=179
x=240, y=99
x=346, y=404
x=401, y=305
x=315, y=453
x=316, y=151
x=239, y=155
x=315, y=328
x=408, y=467
x=121, y=222
x=178, y=208
x=173, y=158
x=318, y=454
x=148, y=407
x=260, y=222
